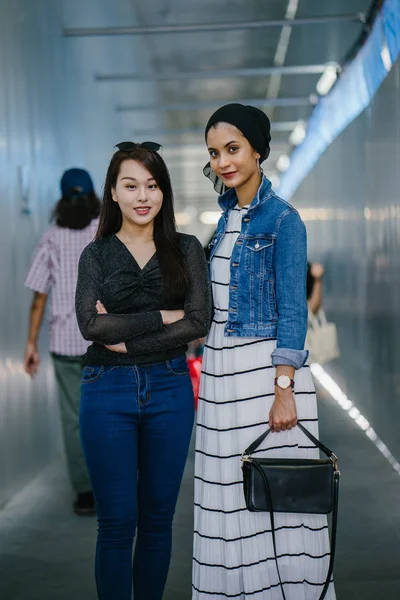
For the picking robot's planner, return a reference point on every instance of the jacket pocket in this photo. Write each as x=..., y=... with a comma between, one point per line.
x=258, y=257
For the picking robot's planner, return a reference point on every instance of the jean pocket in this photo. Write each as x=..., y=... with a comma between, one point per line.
x=258, y=255
x=177, y=366
x=91, y=373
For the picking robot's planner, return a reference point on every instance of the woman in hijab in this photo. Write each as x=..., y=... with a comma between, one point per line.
x=254, y=376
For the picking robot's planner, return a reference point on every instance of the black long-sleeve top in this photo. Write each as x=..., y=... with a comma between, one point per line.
x=133, y=298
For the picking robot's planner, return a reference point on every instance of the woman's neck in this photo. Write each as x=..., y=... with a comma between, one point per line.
x=246, y=192
x=132, y=233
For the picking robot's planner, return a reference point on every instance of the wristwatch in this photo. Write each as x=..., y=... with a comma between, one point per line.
x=284, y=381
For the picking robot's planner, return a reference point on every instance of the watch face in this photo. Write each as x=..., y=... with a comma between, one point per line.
x=283, y=381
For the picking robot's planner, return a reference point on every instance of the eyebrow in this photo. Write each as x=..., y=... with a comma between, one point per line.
x=228, y=144
x=133, y=178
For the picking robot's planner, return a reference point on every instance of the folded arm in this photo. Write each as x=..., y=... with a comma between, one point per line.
x=197, y=309
x=106, y=328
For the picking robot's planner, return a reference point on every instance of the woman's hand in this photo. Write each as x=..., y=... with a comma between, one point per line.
x=101, y=309
x=171, y=316
x=121, y=347
x=317, y=270
x=283, y=413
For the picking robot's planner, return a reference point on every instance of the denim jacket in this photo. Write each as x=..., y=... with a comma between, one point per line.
x=267, y=293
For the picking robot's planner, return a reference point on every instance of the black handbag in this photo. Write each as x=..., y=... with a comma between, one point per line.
x=293, y=485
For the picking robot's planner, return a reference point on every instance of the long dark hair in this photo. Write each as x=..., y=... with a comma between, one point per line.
x=174, y=270
x=76, y=210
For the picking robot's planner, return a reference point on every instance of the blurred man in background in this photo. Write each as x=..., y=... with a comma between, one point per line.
x=55, y=267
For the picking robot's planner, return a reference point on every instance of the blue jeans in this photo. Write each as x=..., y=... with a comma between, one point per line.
x=136, y=424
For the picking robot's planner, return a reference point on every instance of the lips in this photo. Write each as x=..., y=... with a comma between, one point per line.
x=228, y=175
x=143, y=211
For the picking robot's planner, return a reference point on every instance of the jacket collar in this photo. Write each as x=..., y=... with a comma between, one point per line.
x=229, y=199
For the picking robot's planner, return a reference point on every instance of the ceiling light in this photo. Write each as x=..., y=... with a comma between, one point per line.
x=298, y=134
x=283, y=163
x=386, y=58
x=274, y=179
x=182, y=218
x=327, y=79
x=210, y=217
x=367, y=213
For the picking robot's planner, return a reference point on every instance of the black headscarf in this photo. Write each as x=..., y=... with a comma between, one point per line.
x=254, y=125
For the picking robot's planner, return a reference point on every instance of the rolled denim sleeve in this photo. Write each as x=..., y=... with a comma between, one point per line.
x=291, y=297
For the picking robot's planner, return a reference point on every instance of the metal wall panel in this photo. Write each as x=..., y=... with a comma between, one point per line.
x=30, y=161
x=357, y=238
x=52, y=116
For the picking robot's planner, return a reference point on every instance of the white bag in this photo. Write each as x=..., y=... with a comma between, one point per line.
x=322, y=339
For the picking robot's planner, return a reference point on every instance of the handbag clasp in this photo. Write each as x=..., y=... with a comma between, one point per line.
x=245, y=457
x=335, y=461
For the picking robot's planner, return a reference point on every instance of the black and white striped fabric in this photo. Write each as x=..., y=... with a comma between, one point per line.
x=233, y=555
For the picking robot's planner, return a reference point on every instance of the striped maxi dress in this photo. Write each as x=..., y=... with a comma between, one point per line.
x=233, y=554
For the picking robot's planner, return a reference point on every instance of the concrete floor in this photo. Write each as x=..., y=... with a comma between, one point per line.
x=46, y=553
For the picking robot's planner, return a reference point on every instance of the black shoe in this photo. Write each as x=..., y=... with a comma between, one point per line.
x=84, y=504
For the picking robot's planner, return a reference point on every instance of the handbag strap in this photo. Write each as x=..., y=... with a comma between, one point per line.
x=310, y=436
x=322, y=317
x=336, y=475
x=327, y=583
x=312, y=320
x=318, y=319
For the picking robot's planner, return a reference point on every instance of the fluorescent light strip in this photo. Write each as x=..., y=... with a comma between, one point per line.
x=274, y=84
x=337, y=394
x=327, y=80
x=298, y=134
x=283, y=163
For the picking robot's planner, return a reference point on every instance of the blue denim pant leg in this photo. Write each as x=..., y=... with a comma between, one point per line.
x=136, y=424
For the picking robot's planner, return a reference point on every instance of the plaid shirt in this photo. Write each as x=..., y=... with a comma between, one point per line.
x=55, y=266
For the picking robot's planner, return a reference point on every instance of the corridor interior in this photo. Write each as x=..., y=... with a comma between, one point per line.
x=79, y=76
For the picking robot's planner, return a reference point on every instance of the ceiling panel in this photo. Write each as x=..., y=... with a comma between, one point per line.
x=209, y=50
x=321, y=43
x=196, y=52
x=309, y=8
x=208, y=11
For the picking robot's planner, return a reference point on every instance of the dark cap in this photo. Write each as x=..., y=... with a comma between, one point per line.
x=76, y=181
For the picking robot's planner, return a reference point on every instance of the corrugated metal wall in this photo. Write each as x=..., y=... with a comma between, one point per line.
x=52, y=116
x=30, y=162
x=357, y=238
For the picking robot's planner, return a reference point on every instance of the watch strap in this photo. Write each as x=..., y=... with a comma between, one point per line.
x=291, y=383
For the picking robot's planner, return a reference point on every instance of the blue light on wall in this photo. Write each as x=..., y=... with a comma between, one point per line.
x=352, y=93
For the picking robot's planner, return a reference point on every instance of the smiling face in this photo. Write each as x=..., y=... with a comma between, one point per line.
x=232, y=158
x=137, y=194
